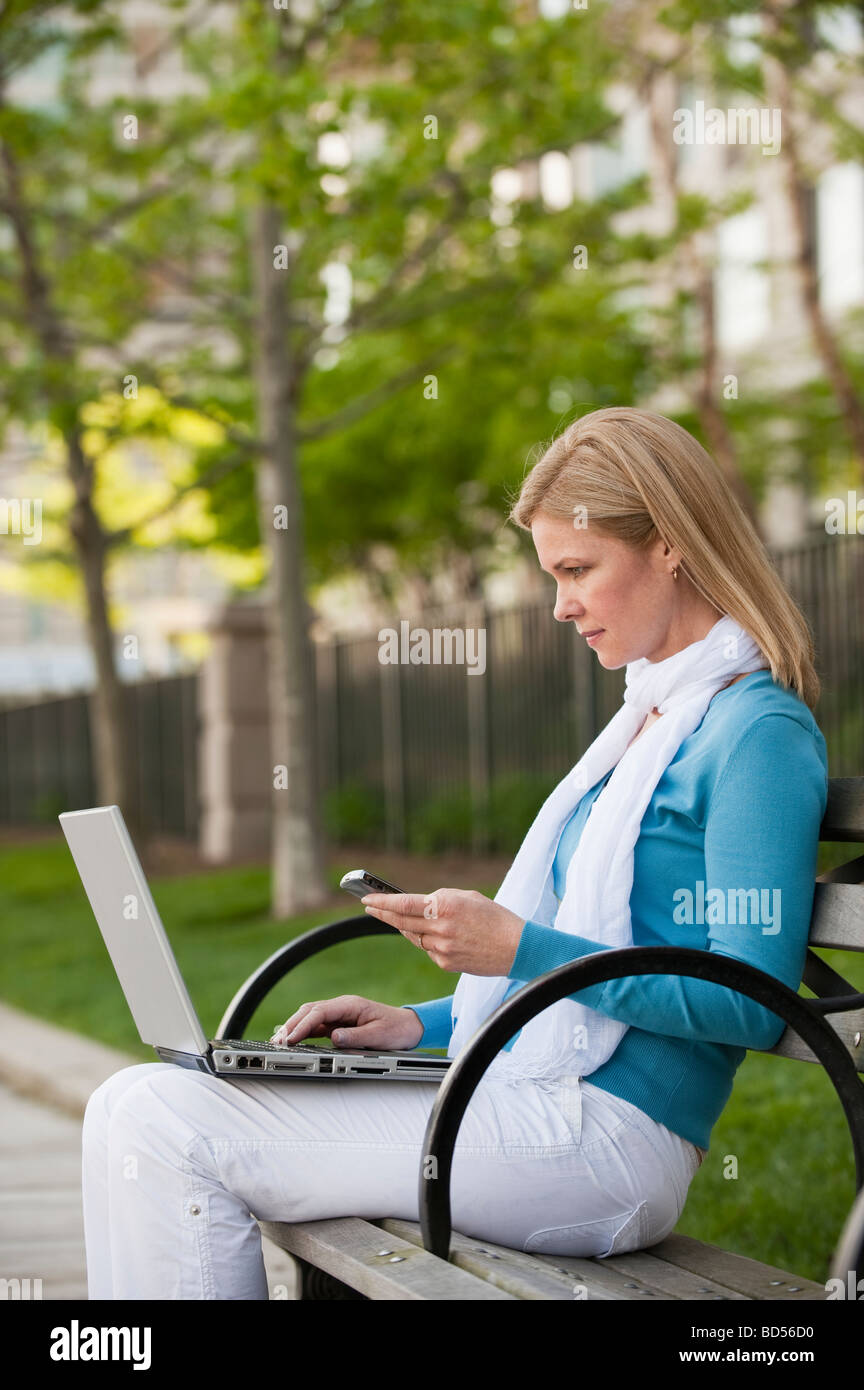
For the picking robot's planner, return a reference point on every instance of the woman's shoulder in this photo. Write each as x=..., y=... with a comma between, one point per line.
x=758, y=714
x=757, y=697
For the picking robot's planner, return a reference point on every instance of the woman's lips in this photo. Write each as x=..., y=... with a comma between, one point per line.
x=595, y=636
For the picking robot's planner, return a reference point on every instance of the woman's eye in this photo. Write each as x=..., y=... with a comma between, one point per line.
x=573, y=568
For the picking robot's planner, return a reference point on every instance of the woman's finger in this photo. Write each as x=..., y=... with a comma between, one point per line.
x=311, y=1025
x=401, y=904
x=411, y=933
x=290, y=1023
x=326, y=1011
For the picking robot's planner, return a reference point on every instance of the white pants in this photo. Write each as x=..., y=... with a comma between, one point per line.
x=177, y=1163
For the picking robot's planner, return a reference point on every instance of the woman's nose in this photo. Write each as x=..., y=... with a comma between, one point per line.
x=563, y=611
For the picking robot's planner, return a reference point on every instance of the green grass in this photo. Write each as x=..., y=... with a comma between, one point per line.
x=783, y=1126
x=54, y=961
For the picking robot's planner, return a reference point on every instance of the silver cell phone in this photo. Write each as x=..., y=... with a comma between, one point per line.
x=360, y=882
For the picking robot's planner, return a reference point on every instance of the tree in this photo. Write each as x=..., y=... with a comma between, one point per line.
x=48, y=378
x=788, y=45
x=376, y=326
x=412, y=223
x=67, y=303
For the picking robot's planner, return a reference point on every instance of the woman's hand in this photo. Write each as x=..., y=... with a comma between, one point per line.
x=459, y=929
x=359, y=1022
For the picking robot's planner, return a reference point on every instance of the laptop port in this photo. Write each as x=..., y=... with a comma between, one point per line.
x=256, y=1061
x=439, y=1062
x=326, y=1064
x=242, y=1061
x=373, y=1071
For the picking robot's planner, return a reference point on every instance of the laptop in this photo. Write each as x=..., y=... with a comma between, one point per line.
x=155, y=991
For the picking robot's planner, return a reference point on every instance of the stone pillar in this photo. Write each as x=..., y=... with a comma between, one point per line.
x=235, y=777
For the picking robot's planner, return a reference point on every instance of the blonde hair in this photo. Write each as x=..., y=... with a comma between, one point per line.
x=639, y=476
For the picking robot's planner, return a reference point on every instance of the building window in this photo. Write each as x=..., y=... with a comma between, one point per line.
x=742, y=286
x=840, y=27
x=556, y=180
x=685, y=154
x=839, y=220
x=742, y=32
x=625, y=156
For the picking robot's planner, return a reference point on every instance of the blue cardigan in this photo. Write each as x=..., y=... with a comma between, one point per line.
x=739, y=807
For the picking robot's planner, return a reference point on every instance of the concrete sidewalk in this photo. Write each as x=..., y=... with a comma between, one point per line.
x=47, y=1075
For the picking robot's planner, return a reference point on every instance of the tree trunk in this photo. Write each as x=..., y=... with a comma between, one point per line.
x=109, y=740
x=707, y=391
x=468, y=580
x=112, y=755
x=299, y=879
x=779, y=90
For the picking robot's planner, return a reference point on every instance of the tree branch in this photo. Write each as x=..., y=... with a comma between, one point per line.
x=361, y=405
x=220, y=469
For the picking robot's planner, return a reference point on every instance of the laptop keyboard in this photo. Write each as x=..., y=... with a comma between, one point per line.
x=269, y=1047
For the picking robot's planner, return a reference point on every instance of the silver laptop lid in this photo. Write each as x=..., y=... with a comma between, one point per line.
x=132, y=929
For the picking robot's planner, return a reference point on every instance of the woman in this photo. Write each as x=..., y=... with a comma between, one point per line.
x=710, y=782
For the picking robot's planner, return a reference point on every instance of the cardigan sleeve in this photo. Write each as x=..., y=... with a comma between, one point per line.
x=762, y=832
x=436, y=1017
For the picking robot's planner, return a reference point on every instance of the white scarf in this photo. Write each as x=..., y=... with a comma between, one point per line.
x=569, y=1038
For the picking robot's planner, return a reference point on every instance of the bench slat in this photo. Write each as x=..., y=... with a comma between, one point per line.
x=747, y=1276
x=349, y=1249
x=671, y=1280
x=845, y=1026
x=837, y=922
x=520, y=1273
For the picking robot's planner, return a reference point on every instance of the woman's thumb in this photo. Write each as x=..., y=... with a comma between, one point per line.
x=343, y=1037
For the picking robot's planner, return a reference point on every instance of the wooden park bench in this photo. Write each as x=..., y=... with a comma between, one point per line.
x=349, y=1258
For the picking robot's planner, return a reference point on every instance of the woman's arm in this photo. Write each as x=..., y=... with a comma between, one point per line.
x=436, y=1017
x=762, y=832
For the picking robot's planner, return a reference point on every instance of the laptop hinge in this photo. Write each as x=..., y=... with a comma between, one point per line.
x=192, y=1060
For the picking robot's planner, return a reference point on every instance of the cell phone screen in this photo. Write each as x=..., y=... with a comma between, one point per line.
x=379, y=885
x=360, y=882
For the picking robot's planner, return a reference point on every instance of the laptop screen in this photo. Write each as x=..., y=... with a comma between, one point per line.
x=132, y=929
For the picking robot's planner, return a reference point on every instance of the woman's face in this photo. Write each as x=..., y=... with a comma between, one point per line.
x=630, y=594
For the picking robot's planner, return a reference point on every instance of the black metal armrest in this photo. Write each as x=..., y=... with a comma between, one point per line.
x=805, y=1016
x=235, y=1019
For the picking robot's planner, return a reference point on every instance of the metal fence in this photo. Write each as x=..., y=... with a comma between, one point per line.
x=425, y=756
x=46, y=765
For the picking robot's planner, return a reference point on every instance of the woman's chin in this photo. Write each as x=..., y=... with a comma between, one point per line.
x=609, y=660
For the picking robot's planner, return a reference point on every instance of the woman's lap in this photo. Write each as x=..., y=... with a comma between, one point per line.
x=565, y=1169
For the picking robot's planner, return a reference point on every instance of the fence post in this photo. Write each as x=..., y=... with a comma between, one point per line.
x=326, y=654
x=236, y=777
x=392, y=752
x=478, y=735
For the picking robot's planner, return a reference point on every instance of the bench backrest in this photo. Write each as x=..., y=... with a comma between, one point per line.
x=837, y=923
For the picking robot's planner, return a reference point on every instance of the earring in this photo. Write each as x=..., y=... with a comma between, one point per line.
x=675, y=572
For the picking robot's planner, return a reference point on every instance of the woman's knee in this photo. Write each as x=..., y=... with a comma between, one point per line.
x=167, y=1099
x=103, y=1101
